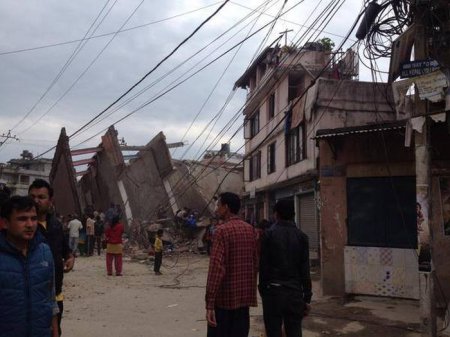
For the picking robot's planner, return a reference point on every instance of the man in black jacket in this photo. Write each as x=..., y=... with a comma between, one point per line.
x=52, y=229
x=284, y=275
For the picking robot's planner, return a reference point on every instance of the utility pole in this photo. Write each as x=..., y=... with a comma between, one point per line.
x=7, y=136
x=423, y=184
x=285, y=33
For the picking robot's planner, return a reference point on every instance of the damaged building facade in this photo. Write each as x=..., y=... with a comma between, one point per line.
x=142, y=184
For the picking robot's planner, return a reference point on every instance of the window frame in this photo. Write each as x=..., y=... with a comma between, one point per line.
x=254, y=124
x=297, y=152
x=271, y=106
x=255, y=166
x=271, y=158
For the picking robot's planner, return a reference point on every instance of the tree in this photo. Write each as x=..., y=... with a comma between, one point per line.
x=327, y=43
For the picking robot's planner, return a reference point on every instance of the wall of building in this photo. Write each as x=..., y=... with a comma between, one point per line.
x=335, y=105
x=184, y=188
x=65, y=199
x=441, y=242
x=144, y=186
x=353, y=159
x=62, y=178
x=100, y=183
x=213, y=176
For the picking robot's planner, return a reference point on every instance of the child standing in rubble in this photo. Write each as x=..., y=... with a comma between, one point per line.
x=158, y=246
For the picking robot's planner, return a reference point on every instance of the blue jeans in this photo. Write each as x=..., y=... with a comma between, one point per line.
x=73, y=244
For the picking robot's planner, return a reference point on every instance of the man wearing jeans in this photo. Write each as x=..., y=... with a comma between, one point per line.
x=74, y=233
x=284, y=276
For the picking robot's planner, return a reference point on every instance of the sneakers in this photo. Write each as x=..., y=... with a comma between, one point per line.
x=158, y=273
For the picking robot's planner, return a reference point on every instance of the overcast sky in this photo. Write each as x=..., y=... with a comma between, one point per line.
x=30, y=85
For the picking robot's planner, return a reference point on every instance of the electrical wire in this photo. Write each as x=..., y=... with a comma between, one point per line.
x=83, y=72
x=158, y=80
x=155, y=67
x=75, y=52
x=254, y=56
x=281, y=121
x=241, y=126
x=215, y=86
x=176, y=85
x=15, y=51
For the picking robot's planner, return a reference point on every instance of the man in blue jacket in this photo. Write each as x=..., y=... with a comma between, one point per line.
x=27, y=292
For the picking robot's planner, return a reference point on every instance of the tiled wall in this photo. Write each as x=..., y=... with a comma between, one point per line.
x=381, y=271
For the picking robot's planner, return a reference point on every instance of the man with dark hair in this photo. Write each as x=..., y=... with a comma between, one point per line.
x=284, y=275
x=231, y=285
x=52, y=230
x=27, y=293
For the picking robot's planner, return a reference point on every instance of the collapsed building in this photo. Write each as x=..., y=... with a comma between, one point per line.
x=145, y=184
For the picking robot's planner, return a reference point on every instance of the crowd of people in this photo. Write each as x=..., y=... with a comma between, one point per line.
x=37, y=247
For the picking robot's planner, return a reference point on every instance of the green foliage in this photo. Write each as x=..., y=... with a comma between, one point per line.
x=327, y=43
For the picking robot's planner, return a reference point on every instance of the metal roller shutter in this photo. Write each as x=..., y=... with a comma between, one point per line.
x=308, y=221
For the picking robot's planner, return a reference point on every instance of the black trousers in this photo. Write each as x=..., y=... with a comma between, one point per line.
x=231, y=323
x=98, y=243
x=158, y=261
x=281, y=305
x=61, y=309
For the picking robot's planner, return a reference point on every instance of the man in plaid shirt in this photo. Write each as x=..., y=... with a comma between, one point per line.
x=231, y=286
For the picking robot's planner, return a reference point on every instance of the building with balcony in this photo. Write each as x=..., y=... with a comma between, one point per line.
x=19, y=173
x=292, y=93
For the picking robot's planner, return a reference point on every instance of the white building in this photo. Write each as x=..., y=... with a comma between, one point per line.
x=18, y=174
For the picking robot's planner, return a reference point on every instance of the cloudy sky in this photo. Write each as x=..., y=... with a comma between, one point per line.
x=51, y=79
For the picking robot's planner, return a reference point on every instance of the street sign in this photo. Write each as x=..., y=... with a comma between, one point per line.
x=418, y=68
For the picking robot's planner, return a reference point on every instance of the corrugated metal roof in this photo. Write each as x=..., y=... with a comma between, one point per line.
x=328, y=133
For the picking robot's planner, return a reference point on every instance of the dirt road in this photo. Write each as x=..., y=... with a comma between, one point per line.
x=142, y=304
x=139, y=303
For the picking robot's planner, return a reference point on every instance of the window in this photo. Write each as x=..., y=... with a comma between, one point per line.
x=24, y=180
x=382, y=212
x=271, y=106
x=271, y=158
x=295, y=145
x=255, y=166
x=254, y=125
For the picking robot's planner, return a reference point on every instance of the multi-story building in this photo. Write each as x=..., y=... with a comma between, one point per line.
x=18, y=174
x=292, y=93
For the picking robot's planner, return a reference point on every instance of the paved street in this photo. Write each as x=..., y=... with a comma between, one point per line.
x=142, y=304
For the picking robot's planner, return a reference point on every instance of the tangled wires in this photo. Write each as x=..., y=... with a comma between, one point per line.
x=394, y=16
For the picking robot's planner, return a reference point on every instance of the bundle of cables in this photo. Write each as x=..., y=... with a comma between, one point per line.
x=393, y=17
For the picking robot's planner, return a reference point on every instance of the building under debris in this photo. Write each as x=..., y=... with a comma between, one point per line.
x=144, y=184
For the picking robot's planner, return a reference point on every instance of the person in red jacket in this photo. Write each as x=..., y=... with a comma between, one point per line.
x=114, y=246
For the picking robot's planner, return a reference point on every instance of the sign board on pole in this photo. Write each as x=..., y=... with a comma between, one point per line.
x=418, y=68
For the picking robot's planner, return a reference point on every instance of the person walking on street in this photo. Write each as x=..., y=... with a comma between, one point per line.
x=90, y=231
x=42, y=194
x=27, y=292
x=158, y=251
x=284, y=274
x=114, y=246
x=75, y=227
x=231, y=284
x=98, y=233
